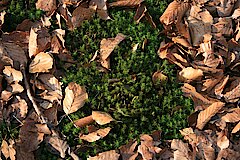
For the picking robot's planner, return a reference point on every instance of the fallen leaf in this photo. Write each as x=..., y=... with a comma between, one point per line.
x=182, y=152
x=140, y=13
x=222, y=141
x=80, y=14
x=233, y=95
x=25, y=25
x=94, y=136
x=84, y=121
x=2, y=15
x=42, y=62
x=75, y=98
x=49, y=6
x=110, y=155
x=58, y=144
x=101, y=118
x=236, y=128
x=50, y=83
x=20, y=107
x=232, y=116
x=39, y=40
x=106, y=48
x=159, y=77
x=101, y=8
x=190, y=73
x=205, y=115
x=8, y=150
x=12, y=75
x=126, y=3
x=127, y=151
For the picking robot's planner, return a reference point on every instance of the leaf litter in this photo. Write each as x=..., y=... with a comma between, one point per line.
x=203, y=41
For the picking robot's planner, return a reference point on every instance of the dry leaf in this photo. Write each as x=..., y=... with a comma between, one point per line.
x=174, y=12
x=205, y=115
x=94, y=136
x=58, y=144
x=84, y=121
x=50, y=83
x=190, y=73
x=80, y=14
x=43, y=62
x=125, y=3
x=20, y=107
x=233, y=95
x=127, y=151
x=2, y=18
x=101, y=8
x=140, y=13
x=182, y=151
x=25, y=25
x=75, y=98
x=232, y=116
x=158, y=76
x=12, y=75
x=7, y=150
x=39, y=40
x=47, y=6
x=101, y=118
x=106, y=48
x=222, y=141
x=236, y=128
x=108, y=155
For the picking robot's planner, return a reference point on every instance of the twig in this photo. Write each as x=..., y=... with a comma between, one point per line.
x=18, y=120
x=30, y=95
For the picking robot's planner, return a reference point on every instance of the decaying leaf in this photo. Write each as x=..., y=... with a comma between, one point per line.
x=127, y=151
x=236, y=128
x=43, y=62
x=233, y=95
x=75, y=98
x=181, y=150
x=222, y=141
x=101, y=118
x=94, y=136
x=232, y=116
x=112, y=154
x=159, y=77
x=84, y=121
x=205, y=115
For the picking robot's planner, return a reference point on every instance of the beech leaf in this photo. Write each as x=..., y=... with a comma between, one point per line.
x=43, y=62
x=110, y=155
x=101, y=118
x=94, y=136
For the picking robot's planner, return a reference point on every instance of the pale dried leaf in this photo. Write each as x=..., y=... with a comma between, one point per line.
x=140, y=13
x=43, y=128
x=94, y=136
x=101, y=118
x=182, y=151
x=50, y=83
x=158, y=76
x=5, y=149
x=21, y=107
x=205, y=115
x=43, y=62
x=2, y=15
x=15, y=88
x=108, y=155
x=84, y=121
x=125, y=3
x=190, y=73
x=233, y=95
x=127, y=151
x=8, y=150
x=236, y=13
x=222, y=141
x=75, y=98
x=12, y=75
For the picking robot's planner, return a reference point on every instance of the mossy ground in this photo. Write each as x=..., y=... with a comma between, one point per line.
x=137, y=105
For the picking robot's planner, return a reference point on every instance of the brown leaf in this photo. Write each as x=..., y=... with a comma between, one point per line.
x=236, y=128
x=106, y=48
x=101, y=8
x=225, y=8
x=75, y=98
x=127, y=151
x=15, y=88
x=205, y=115
x=190, y=73
x=43, y=62
x=7, y=150
x=222, y=141
x=47, y=6
x=208, y=151
x=20, y=106
x=50, y=83
x=174, y=12
x=94, y=136
x=125, y=3
x=2, y=15
x=140, y=13
x=25, y=25
x=182, y=151
x=58, y=144
x=228, y=154
x=232, y=116
x=146, y=148
x=101, y=118
x=223, y=26
x=233, y=95
x=84, y=121
x=39, y=40
x=12, y=75
x=43, y=128
x=70, y=2
x=108, y=155
x=81, y=14
x=158, y=76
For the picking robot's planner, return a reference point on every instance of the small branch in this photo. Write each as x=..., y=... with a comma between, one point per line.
x=30, y=95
